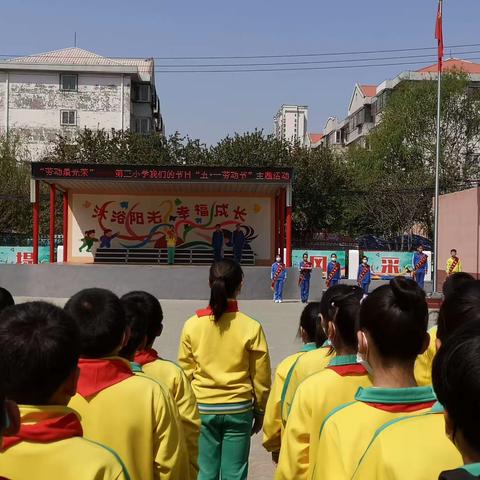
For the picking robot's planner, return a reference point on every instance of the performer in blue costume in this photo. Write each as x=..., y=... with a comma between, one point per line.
x=305, y=268
x=364, y=276
x=420, y=266
x=217, y=243
x=334, y=271
x=238, y=241
x=278, y=277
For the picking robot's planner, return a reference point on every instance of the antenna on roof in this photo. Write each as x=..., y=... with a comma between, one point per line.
x=75, y=39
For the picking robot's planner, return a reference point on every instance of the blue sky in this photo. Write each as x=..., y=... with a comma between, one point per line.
x=210, y=106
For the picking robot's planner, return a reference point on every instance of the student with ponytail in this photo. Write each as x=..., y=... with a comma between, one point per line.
x=224, y=353
x=321, y=392
x=272, y=425
x=392, y=332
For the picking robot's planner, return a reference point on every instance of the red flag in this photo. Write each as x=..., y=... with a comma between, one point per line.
x=439, y=34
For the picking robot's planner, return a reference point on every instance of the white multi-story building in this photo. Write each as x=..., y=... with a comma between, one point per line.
x=62, y=91
x=368, y=101
x=290, y=124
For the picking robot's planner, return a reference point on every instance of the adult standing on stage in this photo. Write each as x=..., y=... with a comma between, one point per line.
x=305, y=268
x=454, y=265
x=238, y=241
x=420, y=265
x=334, y=271
x=217, y=243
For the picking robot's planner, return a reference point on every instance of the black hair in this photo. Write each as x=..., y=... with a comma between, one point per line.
x=6, y=299
x=364, y=256
x=309, y=321
x=305, y=254
x=341, y=305
x=150, y=309
x=137, y=324
x=39, y=348
x=455, y=282
x=396, y=317
x=453, y=250
x=100, y=319
x=456, y=380
x=225, y=279
x=459, y=306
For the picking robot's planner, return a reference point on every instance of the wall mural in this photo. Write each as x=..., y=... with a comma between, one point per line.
x=142, y=221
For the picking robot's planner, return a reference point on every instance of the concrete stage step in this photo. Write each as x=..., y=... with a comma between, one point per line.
x=179, y=282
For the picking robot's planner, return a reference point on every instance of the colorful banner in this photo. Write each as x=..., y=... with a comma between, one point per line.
x=136, y=221
x=320, y=259
x=23, y=255
x=386, y=265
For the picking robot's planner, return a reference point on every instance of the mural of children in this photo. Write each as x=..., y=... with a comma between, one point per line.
x=107, y=237
x=88, y=241
x=171, y=244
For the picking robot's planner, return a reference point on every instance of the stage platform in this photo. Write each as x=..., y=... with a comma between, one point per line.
x=165, y=282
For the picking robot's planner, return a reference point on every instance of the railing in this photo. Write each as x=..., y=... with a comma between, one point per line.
x=159, y=256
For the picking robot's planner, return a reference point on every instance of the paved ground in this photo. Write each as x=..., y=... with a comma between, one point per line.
x=280, y=322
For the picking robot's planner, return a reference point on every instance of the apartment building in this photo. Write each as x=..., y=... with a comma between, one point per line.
x=66, y=90
x=290, y=124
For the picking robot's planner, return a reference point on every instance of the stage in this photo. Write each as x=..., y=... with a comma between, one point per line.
x=178, y=282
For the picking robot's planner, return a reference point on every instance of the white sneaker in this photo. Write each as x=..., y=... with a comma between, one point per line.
x=280, y=301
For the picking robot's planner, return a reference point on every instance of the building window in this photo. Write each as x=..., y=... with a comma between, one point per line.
x=68, y=83
x=68, y=117
x=142, y=125
x=141, y=92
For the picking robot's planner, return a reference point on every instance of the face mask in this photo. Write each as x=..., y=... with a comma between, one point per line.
x=334, y=259
x=363, y=361
x=364, y=260
x=278, y=259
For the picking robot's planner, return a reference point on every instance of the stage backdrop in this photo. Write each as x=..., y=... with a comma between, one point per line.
x=136, y=221
x=320, y=259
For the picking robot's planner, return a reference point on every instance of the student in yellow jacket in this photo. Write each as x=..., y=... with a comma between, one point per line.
x=225, y=355
x=146, y=324
x=318, y=394
x=38, y=360
x=132, y=414
x=423, y=365
x=315, y=361
x=425, y=449
x=456, y=379
x=272, y=424
x=454, y=264
x=393, y=331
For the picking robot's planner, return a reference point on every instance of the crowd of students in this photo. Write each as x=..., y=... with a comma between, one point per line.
x=84, y=395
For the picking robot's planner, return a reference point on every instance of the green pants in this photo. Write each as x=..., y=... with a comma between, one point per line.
x=224, y=446
x=171, y=255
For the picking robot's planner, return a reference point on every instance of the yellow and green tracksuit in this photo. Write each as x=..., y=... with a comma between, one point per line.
x=348, y=429
x=272, y=423
x=423, y=363
x=306, y=365
x=414, y=447
x=136, y=417
x=315, y=397
x=229, y=367
x=173, y=377
x=74, y=458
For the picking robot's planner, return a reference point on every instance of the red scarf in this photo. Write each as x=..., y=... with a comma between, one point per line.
x=453, y=265
x=307, y=267
x=278, y=272
x=363, y=273
x=148, y=355
x=350, y=370
x=421, y=262
x=208, y=312
x=45, y=431
x=98, y=374
x=332, y=274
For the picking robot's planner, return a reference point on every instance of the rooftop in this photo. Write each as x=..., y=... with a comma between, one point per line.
x=453, y=64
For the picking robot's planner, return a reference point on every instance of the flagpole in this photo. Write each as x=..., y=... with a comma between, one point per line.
x=437, y=170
